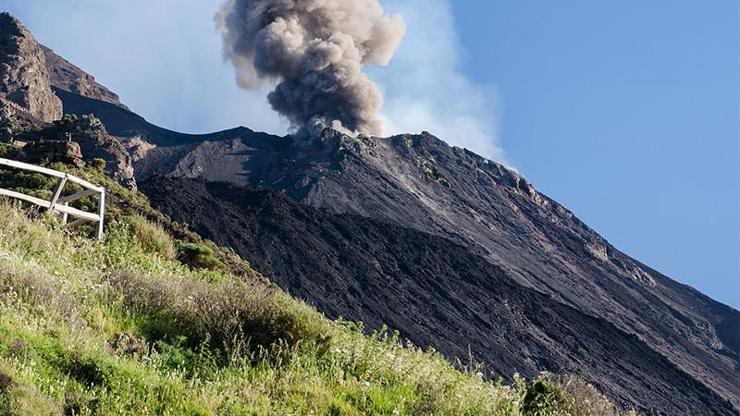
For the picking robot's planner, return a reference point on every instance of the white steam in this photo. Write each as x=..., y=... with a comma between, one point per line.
x=425, y=88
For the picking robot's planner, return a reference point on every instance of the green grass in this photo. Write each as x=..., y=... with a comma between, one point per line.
x=110, y=328
x=129, y=326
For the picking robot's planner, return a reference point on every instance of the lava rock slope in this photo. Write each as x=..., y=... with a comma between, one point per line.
x=434, y=291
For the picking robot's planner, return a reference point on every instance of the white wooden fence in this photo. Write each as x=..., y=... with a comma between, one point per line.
x=58, y=204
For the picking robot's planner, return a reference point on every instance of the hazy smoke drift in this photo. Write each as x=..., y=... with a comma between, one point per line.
x=314, y=50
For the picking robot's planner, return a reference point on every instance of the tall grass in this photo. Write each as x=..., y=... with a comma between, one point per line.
x=152, y=237
x=122, y=327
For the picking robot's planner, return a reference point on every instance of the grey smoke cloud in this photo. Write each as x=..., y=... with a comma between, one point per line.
x=314, y=52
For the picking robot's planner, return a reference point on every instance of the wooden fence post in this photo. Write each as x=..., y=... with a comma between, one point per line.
x=58, y=193
x=101, y=214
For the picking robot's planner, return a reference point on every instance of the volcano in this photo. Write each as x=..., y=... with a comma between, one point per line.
x=456, y=252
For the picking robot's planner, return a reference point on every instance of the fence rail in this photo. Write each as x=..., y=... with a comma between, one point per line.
x=58, y=204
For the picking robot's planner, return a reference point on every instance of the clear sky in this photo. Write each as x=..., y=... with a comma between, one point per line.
x=626, y=111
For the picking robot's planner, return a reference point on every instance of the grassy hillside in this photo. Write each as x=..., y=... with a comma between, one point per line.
x=144, y=324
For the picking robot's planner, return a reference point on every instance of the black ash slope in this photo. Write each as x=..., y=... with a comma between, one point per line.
x=434, y=291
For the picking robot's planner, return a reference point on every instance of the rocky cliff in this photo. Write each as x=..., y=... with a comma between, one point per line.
x=68, y=77
x=24, y=77
x=94, y=141
x=31, y=111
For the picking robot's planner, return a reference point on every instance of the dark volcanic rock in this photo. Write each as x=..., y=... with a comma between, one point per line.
x=434, y=291
x=68, y=77
x=24, y=78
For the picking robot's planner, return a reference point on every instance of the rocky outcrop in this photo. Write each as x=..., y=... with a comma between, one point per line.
x=24, y=77
x=50, y=151
x=68, y=77
x=15, y=120
x=94, y=142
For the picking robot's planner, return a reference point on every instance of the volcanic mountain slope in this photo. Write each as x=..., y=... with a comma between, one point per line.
x=419, y=183
x=438, y=292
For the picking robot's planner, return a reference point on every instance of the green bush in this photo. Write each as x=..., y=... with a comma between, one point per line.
x=229, y=316
x=152, y=237
x=19, y=398
x=199, y=256
x=542, y=398
x=98, y=164
x=35, y=184
x=8, y=151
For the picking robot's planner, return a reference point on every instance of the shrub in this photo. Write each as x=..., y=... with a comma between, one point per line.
x=581, y=398
x=6, y=383
x=26, y=182
x=19, y=398
x=152, y=237
x=230, y=316
x=36, y=289
x=199, y=256
x=7, y=150
x=541, y=398
x=98, y=164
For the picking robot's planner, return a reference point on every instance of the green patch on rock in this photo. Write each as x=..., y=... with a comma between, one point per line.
x=431, y=171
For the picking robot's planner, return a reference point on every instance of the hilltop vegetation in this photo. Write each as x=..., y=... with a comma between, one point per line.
x=125, y=326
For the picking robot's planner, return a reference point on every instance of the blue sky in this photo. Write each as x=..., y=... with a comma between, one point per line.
x=626, y=112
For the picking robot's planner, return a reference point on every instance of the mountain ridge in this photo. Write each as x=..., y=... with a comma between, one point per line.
x=66, y=76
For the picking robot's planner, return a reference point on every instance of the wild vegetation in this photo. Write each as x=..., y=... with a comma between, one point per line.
x=146, y=324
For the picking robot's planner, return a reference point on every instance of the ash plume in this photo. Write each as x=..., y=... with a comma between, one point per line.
x=314, y=52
